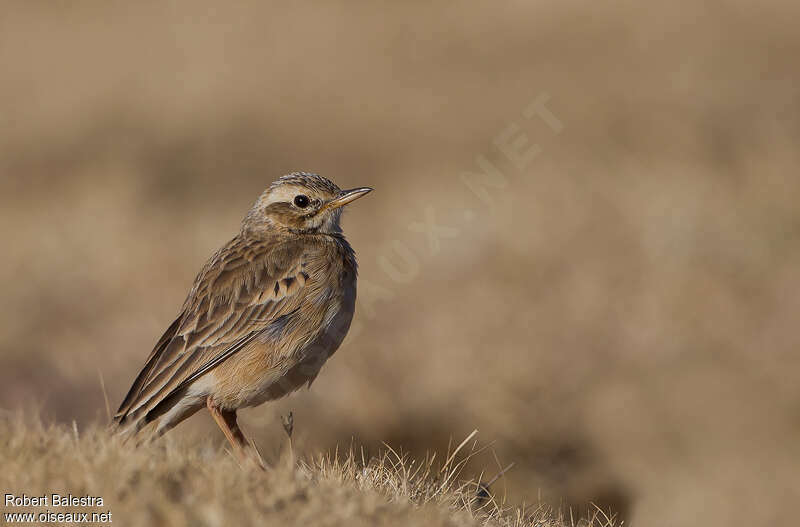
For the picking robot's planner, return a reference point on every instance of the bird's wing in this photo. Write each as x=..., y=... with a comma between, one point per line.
x=241, y=291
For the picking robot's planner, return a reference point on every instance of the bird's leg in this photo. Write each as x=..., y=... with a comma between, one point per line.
x=288, y=427
x=226, y=420
x=223, y=421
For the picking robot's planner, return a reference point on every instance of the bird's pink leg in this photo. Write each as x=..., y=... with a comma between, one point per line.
x=226, y=420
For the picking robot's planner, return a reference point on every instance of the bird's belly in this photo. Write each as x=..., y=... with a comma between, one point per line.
x=253, y=377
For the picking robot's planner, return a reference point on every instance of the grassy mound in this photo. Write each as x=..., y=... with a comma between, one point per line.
x=177, y=483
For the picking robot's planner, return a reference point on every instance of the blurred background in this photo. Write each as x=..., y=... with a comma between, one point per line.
x=584, y=240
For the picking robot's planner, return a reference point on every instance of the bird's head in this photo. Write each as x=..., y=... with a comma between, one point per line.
x=301, y=203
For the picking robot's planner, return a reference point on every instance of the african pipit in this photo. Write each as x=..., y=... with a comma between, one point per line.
x=264, y=314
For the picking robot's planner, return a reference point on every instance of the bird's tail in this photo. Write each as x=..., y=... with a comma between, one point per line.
x=123, y=428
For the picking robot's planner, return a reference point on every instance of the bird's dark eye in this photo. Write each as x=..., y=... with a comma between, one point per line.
x=301, y=201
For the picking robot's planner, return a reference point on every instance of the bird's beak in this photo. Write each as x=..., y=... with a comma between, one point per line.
x=346, y=196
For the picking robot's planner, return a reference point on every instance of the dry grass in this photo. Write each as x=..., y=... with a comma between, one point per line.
x=180, y=484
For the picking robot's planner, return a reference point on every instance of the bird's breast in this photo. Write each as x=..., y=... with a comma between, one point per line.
x=292, y=355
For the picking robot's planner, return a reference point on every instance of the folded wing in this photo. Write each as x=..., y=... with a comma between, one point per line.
x=245, y=287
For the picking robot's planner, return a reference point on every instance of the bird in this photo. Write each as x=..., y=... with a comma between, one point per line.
x=263, y=315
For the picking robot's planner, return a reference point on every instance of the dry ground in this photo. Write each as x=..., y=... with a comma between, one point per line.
x=201, y=485
x=617, y=314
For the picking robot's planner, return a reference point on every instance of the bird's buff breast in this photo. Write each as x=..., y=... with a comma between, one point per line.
x=269, y=370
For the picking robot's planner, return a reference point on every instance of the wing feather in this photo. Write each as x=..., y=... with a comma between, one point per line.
x=243, y=288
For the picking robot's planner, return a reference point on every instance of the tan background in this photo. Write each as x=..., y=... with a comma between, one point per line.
x=621, y=322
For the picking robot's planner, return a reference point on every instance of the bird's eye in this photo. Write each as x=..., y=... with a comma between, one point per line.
x=301, y=201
